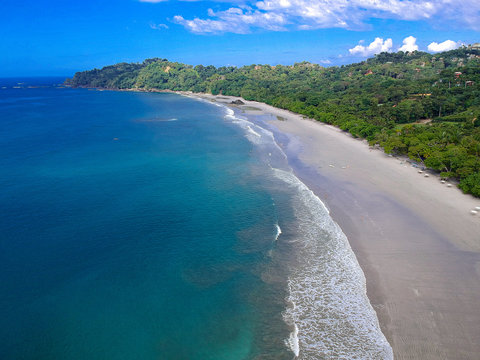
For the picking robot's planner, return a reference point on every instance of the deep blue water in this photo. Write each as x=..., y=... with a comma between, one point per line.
x=156, y=226
x=124, y=222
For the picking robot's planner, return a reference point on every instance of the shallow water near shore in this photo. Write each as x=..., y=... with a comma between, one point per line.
x=142, y=225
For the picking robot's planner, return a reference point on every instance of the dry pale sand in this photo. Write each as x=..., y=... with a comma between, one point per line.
x=414, y=237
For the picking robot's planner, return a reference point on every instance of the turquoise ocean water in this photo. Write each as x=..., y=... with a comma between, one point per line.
x=156, y=226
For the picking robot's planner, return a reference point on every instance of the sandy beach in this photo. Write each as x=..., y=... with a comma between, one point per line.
x=414, y=237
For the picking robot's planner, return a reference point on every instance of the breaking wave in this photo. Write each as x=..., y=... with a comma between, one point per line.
x=327, y=305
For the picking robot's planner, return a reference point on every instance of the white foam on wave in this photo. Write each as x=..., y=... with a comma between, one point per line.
x=230, y=114
x=157, y=120
x=257, y=135
x=292, y=341
x=332, y=313
x=253, y=132
x=279, y=231
x=329, y=312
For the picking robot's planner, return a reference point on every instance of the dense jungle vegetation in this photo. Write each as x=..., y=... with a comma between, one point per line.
x=416, y=104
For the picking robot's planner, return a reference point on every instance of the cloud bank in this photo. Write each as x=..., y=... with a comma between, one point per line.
x=278, y=15
x=376, y=46
x=234, y=20
x=443, y=46
x=379, y=45
x=409, y=45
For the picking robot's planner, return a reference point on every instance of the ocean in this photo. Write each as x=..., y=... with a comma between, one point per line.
x=158, y=226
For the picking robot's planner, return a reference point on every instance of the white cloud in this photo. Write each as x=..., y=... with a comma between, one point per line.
x=202, y=26
x=377, y=46
x=234, y=20
x=279, y=15
x=158, y=26
x=409, y=44
x=464, y=13
x=443, y=46
x=349, y=13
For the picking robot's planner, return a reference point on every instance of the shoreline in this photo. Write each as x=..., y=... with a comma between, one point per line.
x=414, y=237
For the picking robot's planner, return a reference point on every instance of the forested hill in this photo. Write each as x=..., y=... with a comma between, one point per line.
x=421, y=105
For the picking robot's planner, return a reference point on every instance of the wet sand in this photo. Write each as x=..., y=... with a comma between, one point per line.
x=413, y=236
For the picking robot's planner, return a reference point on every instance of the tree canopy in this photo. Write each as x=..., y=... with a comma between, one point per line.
x=416, y=104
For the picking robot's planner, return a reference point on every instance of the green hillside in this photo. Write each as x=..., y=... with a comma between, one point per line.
x=417, y=104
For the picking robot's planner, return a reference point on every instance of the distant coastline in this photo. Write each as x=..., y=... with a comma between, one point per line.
x=404, y=159
x=413, y=104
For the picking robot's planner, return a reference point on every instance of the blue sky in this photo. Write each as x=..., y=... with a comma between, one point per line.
x=60, y=37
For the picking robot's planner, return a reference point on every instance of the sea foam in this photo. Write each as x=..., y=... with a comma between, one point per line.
x=331, y=311
x=328, y=308
x=279, y=231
